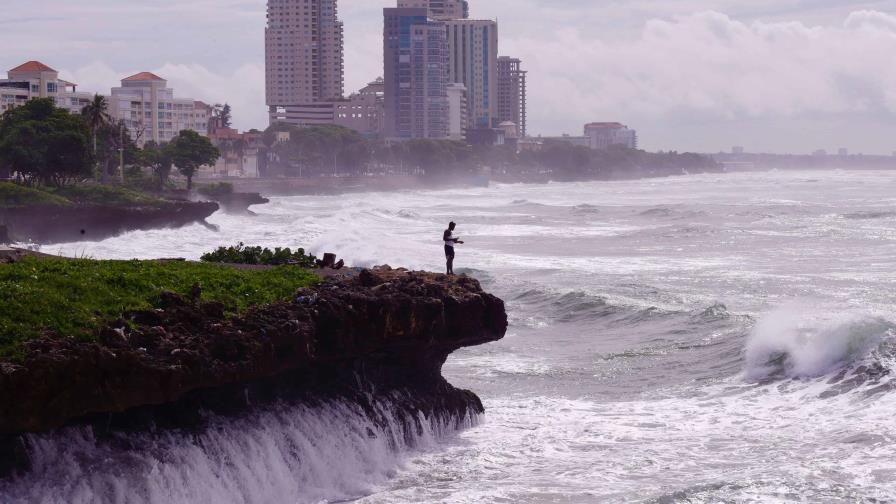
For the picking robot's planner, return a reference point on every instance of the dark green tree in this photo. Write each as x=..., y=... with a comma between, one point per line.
x=158, y=158
x=45, y=144
x=189, y=151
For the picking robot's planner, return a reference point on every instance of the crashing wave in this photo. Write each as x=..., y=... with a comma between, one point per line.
x=802, y=340
x=334, y=450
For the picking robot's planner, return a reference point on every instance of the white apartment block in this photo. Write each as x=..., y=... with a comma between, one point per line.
x=303, y=58
x=440, y=9
x=144, y=101
x=473, y=62
x=37, y=80
x=457, y=111
x=604, y=134
x=151, y=112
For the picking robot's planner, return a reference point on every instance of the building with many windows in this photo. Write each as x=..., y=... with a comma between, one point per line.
x=415, y=54
x=473, y=62
x=512, y=93
x=37, y=80
x=440, y=9
x=457, y=111
x=604, y=134
x=151, y=112
x=304, y=62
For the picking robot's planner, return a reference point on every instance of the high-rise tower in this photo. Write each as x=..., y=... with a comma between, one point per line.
x=415, y=57
x=473, y=62
x=303, y=55
x=512, y=93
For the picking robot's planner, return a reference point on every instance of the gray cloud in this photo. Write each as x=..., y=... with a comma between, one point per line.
x=775, y=75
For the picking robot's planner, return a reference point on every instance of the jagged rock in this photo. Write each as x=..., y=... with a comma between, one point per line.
x=389, y=329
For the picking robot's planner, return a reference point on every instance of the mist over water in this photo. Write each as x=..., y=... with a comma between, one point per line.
x=692, y=339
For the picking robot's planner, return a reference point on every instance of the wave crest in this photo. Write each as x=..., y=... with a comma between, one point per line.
x=801, y=340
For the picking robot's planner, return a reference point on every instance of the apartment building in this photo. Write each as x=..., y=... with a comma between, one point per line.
x=457, y=111
x=151, y=112
x=440, y=9
x=36, y=80
x=604, y=134
x=304, y=63
x=473, y=62
x=415, y=53
x=512, y=93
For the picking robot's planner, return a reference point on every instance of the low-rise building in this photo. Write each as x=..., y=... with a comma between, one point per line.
x=580, y=141
x=604, y=134
x=36, y=80
x=151, y=112
x=361, y=111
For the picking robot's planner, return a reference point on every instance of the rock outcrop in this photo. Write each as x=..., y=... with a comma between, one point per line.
x=59, y=224
x=383, y=328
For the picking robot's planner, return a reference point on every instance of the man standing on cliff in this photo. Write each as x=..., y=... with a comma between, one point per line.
x=450, y=242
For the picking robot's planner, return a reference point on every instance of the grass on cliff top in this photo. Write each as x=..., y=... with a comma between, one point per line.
x=98, y=194
x=14, y=195
x=74, y=297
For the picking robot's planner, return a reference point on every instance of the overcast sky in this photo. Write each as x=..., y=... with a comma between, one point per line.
x=701, y=75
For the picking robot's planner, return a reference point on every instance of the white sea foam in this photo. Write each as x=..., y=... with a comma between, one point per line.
x=305, y=454
x=808, y=339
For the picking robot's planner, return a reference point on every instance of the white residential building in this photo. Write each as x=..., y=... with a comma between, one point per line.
x=473, y=62
x=151, y=112
x=604, y=134
x=457, y=111
x=37, y=80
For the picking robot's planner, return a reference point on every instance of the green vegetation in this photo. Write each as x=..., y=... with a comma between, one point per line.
x=242, y=254
x=215, y=190
x=97, y=194
x=74, y=297
x=324, y=150
x=15, y=195
x=46, y=145
x=189, y=150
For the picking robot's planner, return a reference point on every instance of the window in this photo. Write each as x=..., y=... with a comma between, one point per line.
x=51, y=87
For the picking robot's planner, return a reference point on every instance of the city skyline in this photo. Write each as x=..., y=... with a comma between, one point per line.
x=771, y=76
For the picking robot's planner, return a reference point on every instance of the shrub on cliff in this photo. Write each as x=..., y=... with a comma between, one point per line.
x=242, y=254
x=216, y=190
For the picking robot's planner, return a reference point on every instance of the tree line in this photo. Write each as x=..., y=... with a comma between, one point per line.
x=324, y=150
x=46, y=145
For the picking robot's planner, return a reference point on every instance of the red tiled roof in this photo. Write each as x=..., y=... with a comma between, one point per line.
x=32, y=66
x=144, y=76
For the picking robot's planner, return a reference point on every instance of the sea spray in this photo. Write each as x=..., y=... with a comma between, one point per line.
x=807, y=339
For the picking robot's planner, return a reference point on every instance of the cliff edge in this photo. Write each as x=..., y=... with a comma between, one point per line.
x=383, y=328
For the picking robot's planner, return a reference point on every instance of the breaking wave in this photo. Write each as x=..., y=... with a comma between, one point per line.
x=802, y=340
x=298, y=453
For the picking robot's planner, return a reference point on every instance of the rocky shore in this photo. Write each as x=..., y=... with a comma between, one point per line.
x=59, y=224
x=383, y=330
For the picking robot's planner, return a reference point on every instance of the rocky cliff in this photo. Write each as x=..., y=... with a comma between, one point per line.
x=59, y=224
x=383, y=329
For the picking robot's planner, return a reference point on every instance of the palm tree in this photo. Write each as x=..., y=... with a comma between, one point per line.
x=96, y=114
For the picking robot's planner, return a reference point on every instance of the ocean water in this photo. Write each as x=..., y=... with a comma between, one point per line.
x=708, y=338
